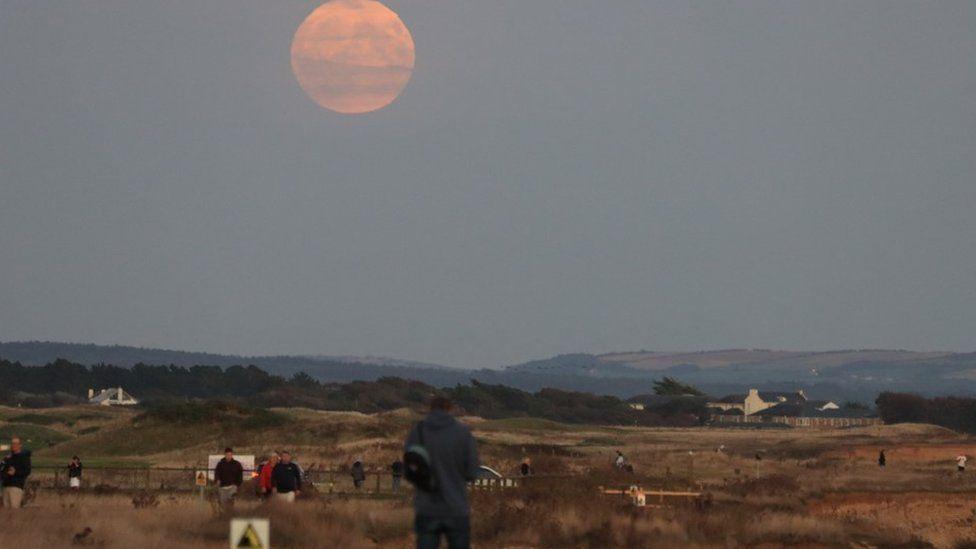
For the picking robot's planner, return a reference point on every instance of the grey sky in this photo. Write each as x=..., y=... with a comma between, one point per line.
x=558, y=176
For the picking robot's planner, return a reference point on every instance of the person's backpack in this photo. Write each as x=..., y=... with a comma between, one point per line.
x=418, y=469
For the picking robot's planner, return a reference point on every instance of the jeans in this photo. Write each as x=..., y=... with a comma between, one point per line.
x=457, y=530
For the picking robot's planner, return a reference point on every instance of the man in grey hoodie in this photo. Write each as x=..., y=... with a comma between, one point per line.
x=454, y=461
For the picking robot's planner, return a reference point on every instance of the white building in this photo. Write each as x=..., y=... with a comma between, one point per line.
x=757, y=401
x=111, y=397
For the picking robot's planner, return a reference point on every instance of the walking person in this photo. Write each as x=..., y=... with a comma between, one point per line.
x=620, y=462
x=961, y=463
x=882, y=460
x=14, y=470
x=74, y=474
x=229, y=474
x=443, y=447
x=396, y=469
x=358, y=474
x=286, y=479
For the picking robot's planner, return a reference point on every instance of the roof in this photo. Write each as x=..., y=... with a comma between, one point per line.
x=773, y=396
x=811, y=409
x=732, y=399
x=110, y=394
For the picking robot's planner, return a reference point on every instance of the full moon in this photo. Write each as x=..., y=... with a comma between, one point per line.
x=352, y=56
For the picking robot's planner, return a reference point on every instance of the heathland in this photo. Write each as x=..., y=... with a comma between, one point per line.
x=757, y=487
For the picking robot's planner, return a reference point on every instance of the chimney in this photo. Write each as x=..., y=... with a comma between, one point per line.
x=753, y=392
x=91, y=394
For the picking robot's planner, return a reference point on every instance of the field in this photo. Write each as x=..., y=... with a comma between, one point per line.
x=810, y=487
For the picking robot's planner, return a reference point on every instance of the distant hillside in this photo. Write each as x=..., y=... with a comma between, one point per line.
x=836, y=375
x=846, y=374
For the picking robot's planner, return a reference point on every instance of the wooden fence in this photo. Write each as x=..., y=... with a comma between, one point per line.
x=821, y=422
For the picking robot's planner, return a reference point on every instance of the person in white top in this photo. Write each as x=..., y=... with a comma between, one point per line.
x=961, y=463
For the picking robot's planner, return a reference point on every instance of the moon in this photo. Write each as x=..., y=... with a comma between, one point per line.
x=352, y=56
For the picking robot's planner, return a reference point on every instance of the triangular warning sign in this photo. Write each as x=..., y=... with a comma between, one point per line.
x=250, y=539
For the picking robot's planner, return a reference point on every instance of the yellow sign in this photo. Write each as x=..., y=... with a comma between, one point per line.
x=201, y=478
x=250, y=534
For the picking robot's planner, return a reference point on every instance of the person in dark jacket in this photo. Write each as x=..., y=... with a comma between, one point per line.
x=74, y=473
x=454, y=461
x=14, y=470
x=286, y=479
x=229, y=475
x=358, y=474
x=396, y=469
x=882, y=459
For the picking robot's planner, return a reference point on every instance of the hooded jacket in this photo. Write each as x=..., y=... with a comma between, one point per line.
x=21, y=462
x=454, y=460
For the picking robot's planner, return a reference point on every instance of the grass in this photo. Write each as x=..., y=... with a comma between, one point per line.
x=39, y=419
x=35, y=437
x=814, y=488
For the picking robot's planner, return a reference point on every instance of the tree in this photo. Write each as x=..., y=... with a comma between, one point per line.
x=673, y=387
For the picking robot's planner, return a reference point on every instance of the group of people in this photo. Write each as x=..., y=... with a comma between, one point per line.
x=278, y=478
x=450, y=462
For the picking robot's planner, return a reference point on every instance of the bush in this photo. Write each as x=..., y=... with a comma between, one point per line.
x=214, y=412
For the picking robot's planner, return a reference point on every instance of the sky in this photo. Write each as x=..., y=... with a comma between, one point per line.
x=558, y=176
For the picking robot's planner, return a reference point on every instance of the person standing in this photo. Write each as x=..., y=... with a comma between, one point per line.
x=358, y=474
x=525, y=469
x=453, y=460
x=620, y=461
x=286, y=479
x=961, y=463
x=265, y=485
x=74, y=473
x=14, y=470
x=882, y=460
x=229, y=474
x=396, y=469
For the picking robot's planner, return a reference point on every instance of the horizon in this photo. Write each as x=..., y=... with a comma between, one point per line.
x=421, y=363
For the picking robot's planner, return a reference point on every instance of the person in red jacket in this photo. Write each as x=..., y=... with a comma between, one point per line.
x=264, y=477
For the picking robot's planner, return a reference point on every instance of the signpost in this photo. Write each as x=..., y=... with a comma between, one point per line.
x=250, y=533
x=201, y=482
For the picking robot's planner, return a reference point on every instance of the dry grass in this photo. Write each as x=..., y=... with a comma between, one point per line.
x=811, y=488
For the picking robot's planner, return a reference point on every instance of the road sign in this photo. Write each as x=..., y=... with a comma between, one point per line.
x=201, y=477
x=250, y=533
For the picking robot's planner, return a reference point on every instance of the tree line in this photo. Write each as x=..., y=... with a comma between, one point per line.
x=62, y=382
x=956, y=413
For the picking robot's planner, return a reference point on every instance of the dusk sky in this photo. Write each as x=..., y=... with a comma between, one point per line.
x=557, y=176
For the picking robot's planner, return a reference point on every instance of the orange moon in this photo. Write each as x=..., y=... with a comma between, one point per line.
x=352, y=56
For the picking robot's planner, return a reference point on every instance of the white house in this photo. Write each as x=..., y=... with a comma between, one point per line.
x=111, y=397
x=757, y=401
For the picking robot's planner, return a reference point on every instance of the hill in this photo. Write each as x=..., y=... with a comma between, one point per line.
x=858, y=374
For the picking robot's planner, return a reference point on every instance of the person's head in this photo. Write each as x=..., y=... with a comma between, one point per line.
x=228, y=453
x=286, y=457
x=75, y=459
x=15, y=445
x=440, y=403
